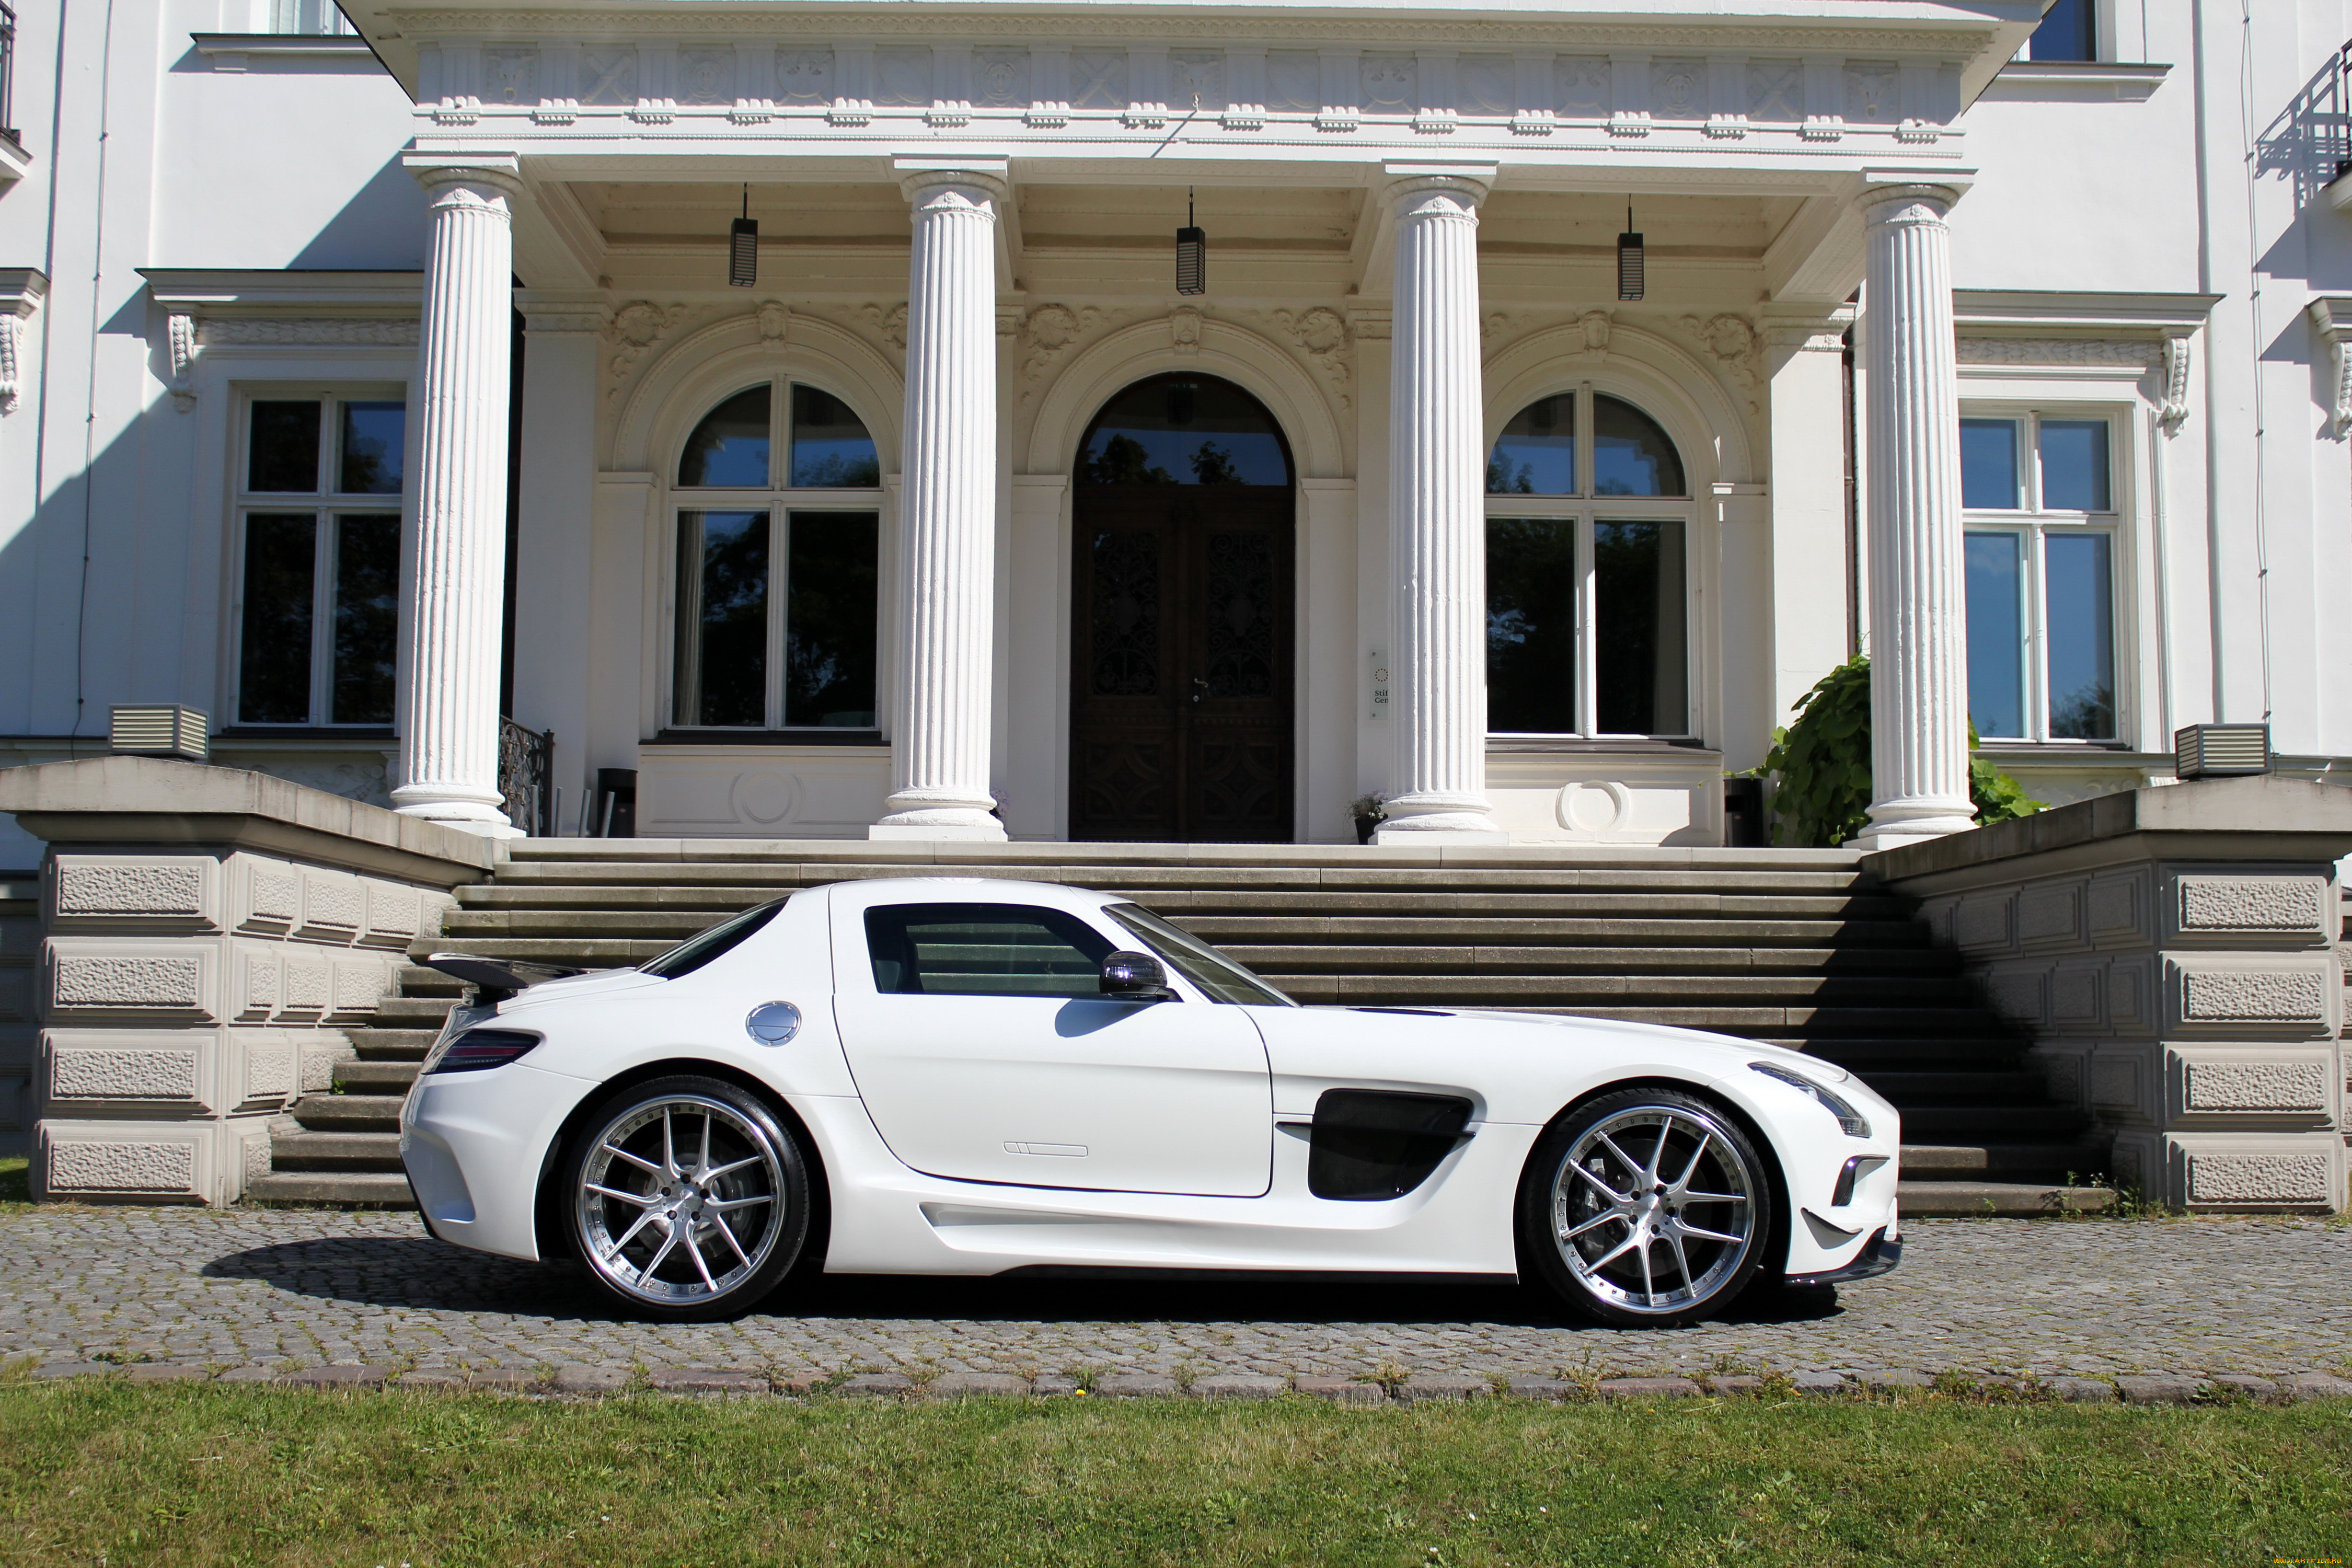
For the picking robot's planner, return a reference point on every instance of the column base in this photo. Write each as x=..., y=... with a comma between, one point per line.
x=467, y=811
x=1895, y=822
x=1439, y=819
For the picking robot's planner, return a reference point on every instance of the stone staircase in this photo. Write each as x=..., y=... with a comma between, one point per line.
x=1790, y=946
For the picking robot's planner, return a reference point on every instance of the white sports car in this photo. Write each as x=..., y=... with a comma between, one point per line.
x=966, y=1077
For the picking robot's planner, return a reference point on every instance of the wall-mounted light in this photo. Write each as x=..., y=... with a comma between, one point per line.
x=1629, y=260
x=1191, y=254
x=743, y=247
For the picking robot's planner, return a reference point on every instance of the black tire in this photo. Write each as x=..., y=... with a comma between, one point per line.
x=686, y=1198
x=1608, y=1218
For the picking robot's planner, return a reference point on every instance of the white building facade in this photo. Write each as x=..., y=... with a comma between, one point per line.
x=379, y=387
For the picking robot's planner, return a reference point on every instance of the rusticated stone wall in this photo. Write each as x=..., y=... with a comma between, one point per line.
x=2178, y=967
x=20, y=942
x=187, y=996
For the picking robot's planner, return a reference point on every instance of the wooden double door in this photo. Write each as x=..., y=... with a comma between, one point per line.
x=1181, y=639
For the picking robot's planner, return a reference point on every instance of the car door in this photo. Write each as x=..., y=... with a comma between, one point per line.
x=985, y=1053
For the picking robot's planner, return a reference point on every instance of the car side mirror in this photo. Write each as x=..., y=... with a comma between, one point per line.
x=1134, y=978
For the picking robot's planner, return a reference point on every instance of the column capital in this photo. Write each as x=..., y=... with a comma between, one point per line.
x=1470, y=182
x=438, y=172
x=917, y=177
x=1886, y=192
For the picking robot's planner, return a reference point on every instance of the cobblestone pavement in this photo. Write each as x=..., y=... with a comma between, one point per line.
x=285, y=1289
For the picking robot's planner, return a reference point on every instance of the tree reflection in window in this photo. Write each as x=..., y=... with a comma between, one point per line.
x=1183, y=430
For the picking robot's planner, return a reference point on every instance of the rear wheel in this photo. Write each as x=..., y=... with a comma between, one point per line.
x=687, y=1198
x=1646, y=1208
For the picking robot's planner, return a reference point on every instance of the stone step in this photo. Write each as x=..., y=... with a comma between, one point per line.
x=392, y=1045
x=349, y=1189
x=2051, y=1162
x=375, y=1077
x=1561, y=931
x=1961, y=1200
x=1913, y=1091
x=298, y=1150
x=2053, y=1123
x=350, y=1112
x=828, y=856
x=414, y=1012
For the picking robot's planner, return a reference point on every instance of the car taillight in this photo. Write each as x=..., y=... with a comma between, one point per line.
x=479, y=1048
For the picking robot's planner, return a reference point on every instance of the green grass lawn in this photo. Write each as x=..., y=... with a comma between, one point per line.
x=95, y=1474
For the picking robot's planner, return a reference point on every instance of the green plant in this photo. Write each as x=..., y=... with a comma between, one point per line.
x=1823, y=761
x=1996, y=795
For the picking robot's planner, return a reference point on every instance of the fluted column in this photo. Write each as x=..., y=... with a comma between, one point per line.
x=449, y=704
x=1437, y=518
x=1918, y=610
x=938, y=763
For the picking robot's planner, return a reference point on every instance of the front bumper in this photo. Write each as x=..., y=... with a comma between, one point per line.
x=1878, y=1256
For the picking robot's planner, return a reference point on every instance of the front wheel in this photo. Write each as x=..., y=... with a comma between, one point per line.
x=1646, y=1208
x=687, y=1198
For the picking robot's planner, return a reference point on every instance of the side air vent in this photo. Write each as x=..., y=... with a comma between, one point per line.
x=1371, y=1144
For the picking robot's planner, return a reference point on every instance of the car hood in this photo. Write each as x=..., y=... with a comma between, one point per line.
x=1630, y=1031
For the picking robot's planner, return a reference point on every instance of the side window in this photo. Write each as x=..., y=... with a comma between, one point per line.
x=983, y=950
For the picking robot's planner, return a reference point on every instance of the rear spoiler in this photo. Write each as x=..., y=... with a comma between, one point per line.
x=495, y=979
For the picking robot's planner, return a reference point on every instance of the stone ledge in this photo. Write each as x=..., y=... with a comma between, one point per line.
x=146, y=800
x=2261, y=819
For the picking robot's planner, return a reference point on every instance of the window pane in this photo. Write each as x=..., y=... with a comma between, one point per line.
x=1631, y=455
x=1989, y=465
x=367, y=615
x=984, y=949
x=373, y=438
x=723, y=617
x=729, y=447
x=830, y=446
x=1530, y=625
x=2081, y=633
x=829, y=626
x=1996, y=576
x=284, y=451
x=1536, y=454
x=1640, y=649
x=1183, y=430
x=2069, y=31
x=2074, y=465
x=274, y=661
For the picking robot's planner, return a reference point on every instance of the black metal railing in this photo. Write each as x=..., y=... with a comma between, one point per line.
x=526, y=768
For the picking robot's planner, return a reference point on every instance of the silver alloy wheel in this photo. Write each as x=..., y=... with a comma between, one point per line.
x=681, y=1200
x=1654, y=1209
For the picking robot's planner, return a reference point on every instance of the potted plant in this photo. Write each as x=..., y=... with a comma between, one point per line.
x=1369, y=810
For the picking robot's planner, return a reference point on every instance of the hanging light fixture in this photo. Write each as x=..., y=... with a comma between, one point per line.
x=1629, y=259
x=1191, y=254
x=743, y=247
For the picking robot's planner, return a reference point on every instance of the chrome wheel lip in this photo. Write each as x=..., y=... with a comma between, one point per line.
x=686, y=1195
x=1650, y=1214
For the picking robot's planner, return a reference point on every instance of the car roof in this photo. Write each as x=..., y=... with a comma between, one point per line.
x=976, y=889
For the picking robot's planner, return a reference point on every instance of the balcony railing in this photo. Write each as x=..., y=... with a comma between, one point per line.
x=8, y=74
x=526, y=763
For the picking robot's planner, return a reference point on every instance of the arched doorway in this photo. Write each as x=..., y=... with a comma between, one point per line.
x=1181, y=632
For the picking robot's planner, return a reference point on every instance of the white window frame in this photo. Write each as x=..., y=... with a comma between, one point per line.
x=1584, y=510
x=780, y=501
x=2035, y=523
x=328, y=507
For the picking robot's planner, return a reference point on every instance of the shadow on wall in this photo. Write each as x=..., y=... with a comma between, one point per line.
x=382, y=228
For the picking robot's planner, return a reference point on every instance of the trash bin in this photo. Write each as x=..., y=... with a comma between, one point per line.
x=615, y=815
x=1743, y=815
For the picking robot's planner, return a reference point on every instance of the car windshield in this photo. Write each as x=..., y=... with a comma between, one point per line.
x=718, y=941
x=1203, y=965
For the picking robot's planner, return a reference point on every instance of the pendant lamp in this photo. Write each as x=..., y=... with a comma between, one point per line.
x=1191, y=254
x=1629, y=260
x=743, y=247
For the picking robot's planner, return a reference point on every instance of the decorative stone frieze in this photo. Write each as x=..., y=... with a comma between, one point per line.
x=187, y=992
x=2176, y=956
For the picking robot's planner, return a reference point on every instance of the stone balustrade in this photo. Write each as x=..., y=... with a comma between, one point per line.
x=204, y=936
x=2175, y=952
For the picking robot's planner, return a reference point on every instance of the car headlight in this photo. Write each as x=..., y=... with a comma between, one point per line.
x=1848, y=1117
x=477, y=1049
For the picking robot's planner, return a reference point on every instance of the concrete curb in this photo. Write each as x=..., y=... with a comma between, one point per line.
x=585, y=1382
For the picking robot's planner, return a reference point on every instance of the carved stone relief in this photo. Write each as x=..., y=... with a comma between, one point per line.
x=2056, y=351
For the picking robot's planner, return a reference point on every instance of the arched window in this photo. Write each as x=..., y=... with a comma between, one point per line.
x=1183, y=430
x=1588, y=536
x=778, y=593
